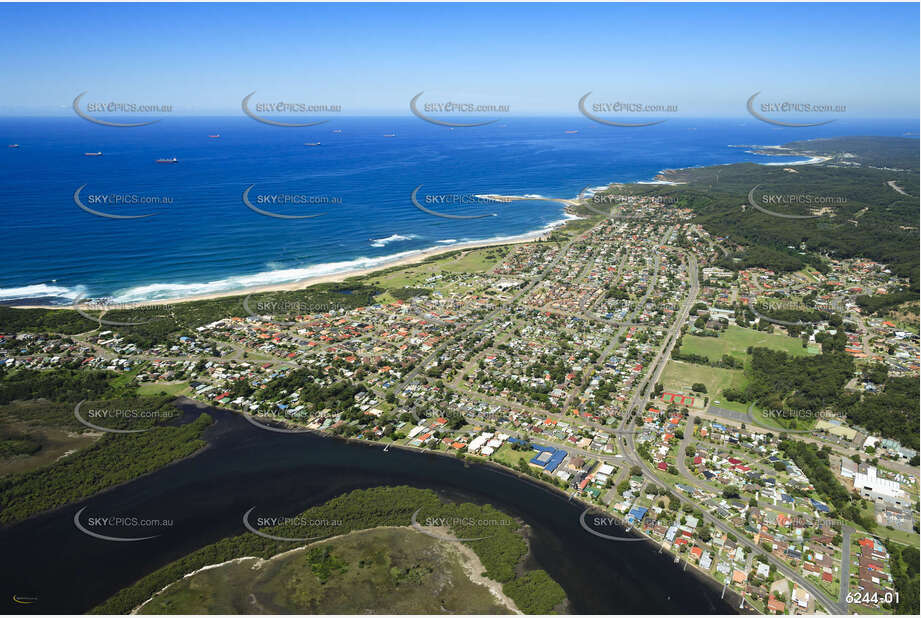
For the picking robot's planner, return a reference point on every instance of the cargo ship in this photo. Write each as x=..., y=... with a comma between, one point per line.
x=14, y=145
x=215, y=136
x=92, y=154
x=573, y=131
x=173, y=160
x=311, y=143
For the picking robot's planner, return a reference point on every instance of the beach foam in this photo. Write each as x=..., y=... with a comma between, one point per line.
x=164, y=291
x=383, y=242
x=41, y=290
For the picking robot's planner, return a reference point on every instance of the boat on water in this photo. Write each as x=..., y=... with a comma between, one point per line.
x=92, y=154
x=337, y=130
x=311, y=143
x=215, y=136
x=390, y=134
x=572, y=131
x=172, y=160
x=14, y=145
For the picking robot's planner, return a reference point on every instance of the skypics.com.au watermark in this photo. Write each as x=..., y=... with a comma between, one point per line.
x=432, y=526
x=120, y=528
x=817, y=205
x=287, y=200
x=454, y=107
x=262, y=110
x=798, y=413
x=603, y=203
x=440, y=204
x=619, y=109
x=605, y=526
x=102, y=204
x=306, y=528
x=94, y=109
x=779, y=304
x=269, y=309
x=82, y=305
x=793, y=414
x=125, y=416
x=770, y=111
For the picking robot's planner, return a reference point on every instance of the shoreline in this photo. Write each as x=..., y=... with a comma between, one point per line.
x=704, y=577
x=469, y=560
x=338, y=277
x=663, y=177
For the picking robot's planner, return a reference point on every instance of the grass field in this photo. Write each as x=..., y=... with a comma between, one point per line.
x=736, y=340
x=471, y=261
x=679, y=376
x=153, y=388
x=382, y=570
x=510, y=457
x=55, y=442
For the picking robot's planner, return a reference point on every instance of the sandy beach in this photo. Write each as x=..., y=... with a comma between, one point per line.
x=332, y=277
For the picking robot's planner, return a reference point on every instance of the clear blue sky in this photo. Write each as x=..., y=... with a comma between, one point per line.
x=538, y=58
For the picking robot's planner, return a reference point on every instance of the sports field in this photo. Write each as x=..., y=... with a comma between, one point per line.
x=679, y=376
x=735, y=340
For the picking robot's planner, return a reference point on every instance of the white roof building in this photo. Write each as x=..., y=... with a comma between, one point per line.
x=879, y=489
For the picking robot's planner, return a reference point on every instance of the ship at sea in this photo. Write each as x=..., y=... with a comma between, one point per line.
x=172, y=160
x=572, y=131
x=311, y=143
x=92, y=154
x=215, y=136
x=14, y=145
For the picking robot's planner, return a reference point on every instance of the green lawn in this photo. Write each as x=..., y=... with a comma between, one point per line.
x=125, y=378
x=510, y=457
x=470, y=261
x=735, y=340
x=899, y=536
x=154, y=388
x=679, y=376
x=399, y=571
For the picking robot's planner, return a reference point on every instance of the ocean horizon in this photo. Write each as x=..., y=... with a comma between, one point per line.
x=354, y=176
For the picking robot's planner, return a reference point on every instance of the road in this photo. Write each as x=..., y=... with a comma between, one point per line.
x=845, y=563
x=630, y=452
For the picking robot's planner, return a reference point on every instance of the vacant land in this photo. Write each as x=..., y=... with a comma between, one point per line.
x=736, y=340
x=462, y=261
x=25, y=447
x=679, y=376
x=381, y=571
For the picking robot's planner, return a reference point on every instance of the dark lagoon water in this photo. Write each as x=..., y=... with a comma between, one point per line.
x=204, y=497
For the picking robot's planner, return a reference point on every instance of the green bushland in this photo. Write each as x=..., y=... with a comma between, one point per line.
x=887, y=221
x=892, y=413
x=903, y=562
x=501, y=550
x=55, y=385
x=790, y=384
x=113, y=459
x=880, y=303
x=164, y=323
x=385, y=570
x=407, y=293
x=13, y=444
x=814, y=462
x=64, y=322
x=535, y=592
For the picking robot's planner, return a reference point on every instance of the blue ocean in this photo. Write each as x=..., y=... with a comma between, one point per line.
x=203, y=239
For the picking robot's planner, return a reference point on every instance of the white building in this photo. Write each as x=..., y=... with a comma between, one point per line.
x=879, y=489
